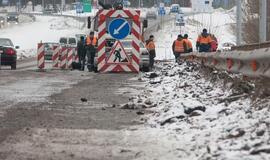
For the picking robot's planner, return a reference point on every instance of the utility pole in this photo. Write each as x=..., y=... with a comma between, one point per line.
x=43, y=5
x=239, y=23
x=63, y=4
x=263, y=20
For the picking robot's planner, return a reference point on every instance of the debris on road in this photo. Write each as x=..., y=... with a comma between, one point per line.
x=83, y=99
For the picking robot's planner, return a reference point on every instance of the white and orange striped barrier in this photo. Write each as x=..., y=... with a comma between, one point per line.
x=56, y=55
x=76, y=57
x=254, y=63
x=41, y=56
x=63, y=59
x=70, y=52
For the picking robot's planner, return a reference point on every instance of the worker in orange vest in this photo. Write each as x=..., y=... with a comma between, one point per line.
x=204, y=42
x=91, y=45
x=189, y=43
x=150, y=46
x=179, y=46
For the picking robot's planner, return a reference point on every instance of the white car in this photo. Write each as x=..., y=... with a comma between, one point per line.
x=144, y=59
x=151, y=14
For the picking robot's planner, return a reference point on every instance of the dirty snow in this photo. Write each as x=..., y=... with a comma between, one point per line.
x=199, y=114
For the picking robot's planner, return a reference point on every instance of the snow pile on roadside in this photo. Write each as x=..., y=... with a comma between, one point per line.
x=208, y=120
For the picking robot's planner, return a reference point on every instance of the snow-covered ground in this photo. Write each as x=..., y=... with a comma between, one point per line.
x=45, y=29
x=201, y=117
x=220, y=25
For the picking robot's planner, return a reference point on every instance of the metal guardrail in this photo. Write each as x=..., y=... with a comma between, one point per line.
x=254, y=63
x=250, y=47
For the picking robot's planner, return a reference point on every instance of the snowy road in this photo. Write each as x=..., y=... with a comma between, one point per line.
x=176, y=112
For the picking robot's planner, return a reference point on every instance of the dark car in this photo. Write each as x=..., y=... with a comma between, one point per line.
x=8, y=54
x=13, y=17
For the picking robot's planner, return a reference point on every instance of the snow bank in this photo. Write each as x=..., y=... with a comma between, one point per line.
x=200, y=114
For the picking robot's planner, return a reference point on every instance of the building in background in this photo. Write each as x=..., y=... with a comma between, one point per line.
x=202, y=5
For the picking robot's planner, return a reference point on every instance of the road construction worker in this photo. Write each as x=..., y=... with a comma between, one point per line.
x=188, y=43
x=150, y=45
x=91, y=45
x=204, y=42
x=179, y=46
x=81, y=52
x=214, y=43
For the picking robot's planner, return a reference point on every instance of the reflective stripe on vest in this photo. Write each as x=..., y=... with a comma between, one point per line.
x=179, y=46
x=204, y=40
x=151, y=46
x=91, y=42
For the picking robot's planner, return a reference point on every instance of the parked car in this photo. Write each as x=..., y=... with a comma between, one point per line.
x=49, y=50
x=127, y=44
x=144, y=54
x=8, y=53
x=13, y=17
x=151, y=14
x=2, y=21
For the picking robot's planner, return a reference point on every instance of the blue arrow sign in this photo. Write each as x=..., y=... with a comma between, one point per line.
x=161, y=11
x=119, y=28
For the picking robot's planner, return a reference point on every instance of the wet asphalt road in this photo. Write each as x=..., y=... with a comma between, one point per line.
x=51, y=100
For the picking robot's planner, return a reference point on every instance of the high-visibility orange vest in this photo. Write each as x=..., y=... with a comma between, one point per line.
x=204, y=40
x=189, y=43
x=151, y=45
x=91, y=42
x=179, y=46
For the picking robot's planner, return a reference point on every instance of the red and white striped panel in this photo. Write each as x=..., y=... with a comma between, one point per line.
x=76, y=57
x=55, y=56
x=134, y=65
x=63, y=58
x=70, y=58
x=41, y=56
